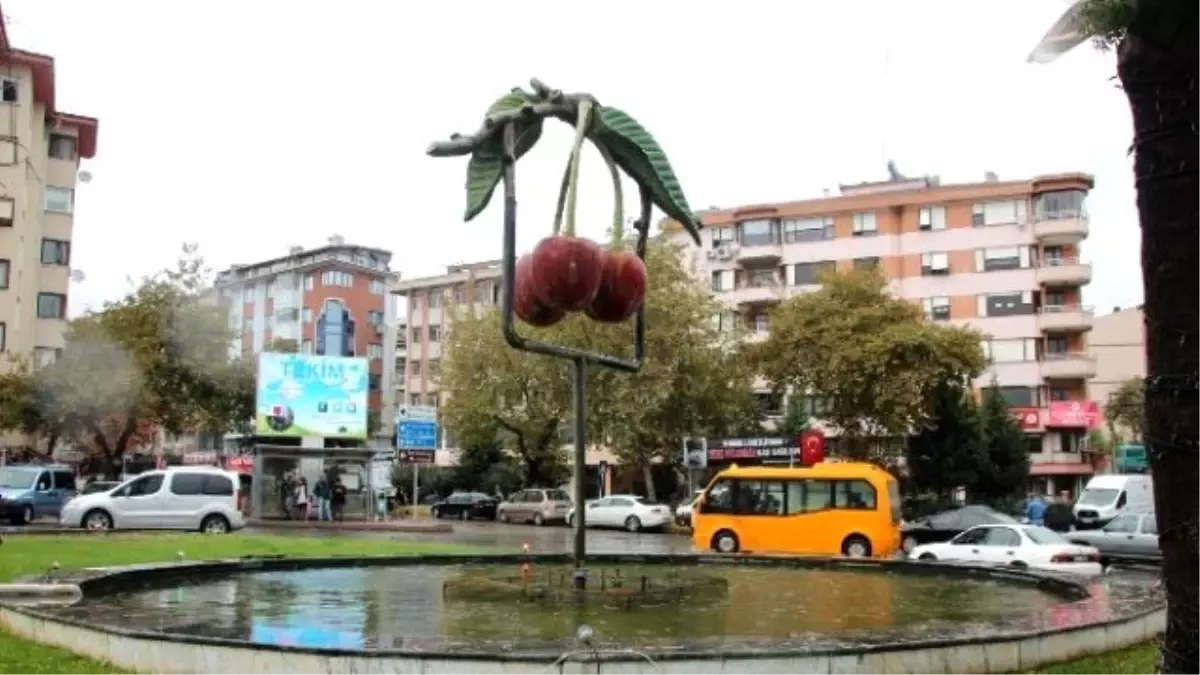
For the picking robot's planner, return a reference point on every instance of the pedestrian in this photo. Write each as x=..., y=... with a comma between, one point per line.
x=1058, y=515
x=321, y=494
x=302, y=499
x=337, y=499
x=287, y=495
x=1035, y=510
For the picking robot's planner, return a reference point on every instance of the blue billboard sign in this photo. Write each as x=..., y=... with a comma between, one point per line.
x=416, y=433
x=311, y=395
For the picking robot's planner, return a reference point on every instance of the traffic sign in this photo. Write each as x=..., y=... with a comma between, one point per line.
x=423, y=413
x=415, y=435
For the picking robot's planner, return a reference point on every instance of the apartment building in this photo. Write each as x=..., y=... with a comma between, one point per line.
x=40, y=152
x=329, y=300
x=1001, y=256
x=1118, y=344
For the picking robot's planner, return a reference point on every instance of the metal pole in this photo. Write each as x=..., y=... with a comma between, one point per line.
x=580, y=411
x=416, y=487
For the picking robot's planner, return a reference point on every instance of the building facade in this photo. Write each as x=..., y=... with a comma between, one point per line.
x=1118, y=344
x=40, y=152
x=1000, y=256
x=330, y=300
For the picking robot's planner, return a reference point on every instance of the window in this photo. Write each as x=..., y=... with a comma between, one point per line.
x=64, y=480
x=51, y=305
x=972, y=537
x=761, y=322
x=374, y=381
x=1149, y=525
x=808, y=496
x=1056, y=345
x=725, y=322
x=5, y=268
x=44, y=356
x=306, y=314
x=460, y=293
x=187, y=484
x=62, y=146
x=804, y=274
x=485, y=292
x=1060, y=205
x=431, y=400
x=854, y=494
x=306, y=346
x=434, y=298
x=1059, y=394
x=935, y=264
x=337, y=278
x=434, y=367
x=722, y=280
x=378, y=287
x=761, y=278
x=375, y=351
x=771, y=405
x=7, y=211
x=1008, y=258
x=1008, y=212
x=374, y=317
x=8, y=90
x=866, y=263
x=60, y=200
x=1001, y=536
x=1017, y=397
x=932, y=218
x=414, y=368
x=56, y=252
x=758, y=233
x=807, y=229
x=144, y=486
x=3, y=336
x=1010, y=351
x=414, y=399
x=8, y=151
x=1015, y=303
x=936, y=308
x=1124, y=524
x=723, y=235
x=435, y=333
x=719, y=498
x=308, y=282
x=759, y=498
x=865, y=224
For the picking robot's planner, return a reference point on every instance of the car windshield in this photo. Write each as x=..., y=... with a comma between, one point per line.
x=557, y=496
x=1098, y=496
x=17, y=479
x=1041, y=535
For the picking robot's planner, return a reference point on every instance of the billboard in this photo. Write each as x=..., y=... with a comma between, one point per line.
x=310, y=395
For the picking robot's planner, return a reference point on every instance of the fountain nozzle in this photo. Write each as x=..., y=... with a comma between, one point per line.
x=585, y=634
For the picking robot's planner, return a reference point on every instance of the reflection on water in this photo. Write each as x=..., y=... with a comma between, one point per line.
x=403, y=607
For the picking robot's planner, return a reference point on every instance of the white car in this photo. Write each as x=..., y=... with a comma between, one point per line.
x=683, y=512
x=1021, y=546
x=629, y=512
x=182, y=498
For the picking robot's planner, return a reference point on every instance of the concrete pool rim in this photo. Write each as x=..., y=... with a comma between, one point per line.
x=90, y=638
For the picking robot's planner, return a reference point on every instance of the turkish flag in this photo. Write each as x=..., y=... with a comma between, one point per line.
x=812, y=447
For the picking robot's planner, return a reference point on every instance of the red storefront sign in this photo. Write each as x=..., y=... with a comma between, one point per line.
x=1030, y=419
x=1074, y=414
x=240, y=464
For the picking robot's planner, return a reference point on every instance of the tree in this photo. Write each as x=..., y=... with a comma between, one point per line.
x=692, y=383
x=949, y=451
x=1005, y=451
x=158, y=358
x=1158, y=53
x=870, y=355
x=1126, y=409
x=795, y=421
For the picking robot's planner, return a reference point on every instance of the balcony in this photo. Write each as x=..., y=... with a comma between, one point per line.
x=1064, y=272
x=1068, y=366
x=759, y=250
x=433, y=350
x=1062, y=227
x=757, y=293
x=1064, y=318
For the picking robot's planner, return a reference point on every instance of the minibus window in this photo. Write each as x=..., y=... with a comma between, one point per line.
x=719, y=498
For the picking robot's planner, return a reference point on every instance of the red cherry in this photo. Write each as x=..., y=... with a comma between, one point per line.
x=566, y=272
x=622, y=288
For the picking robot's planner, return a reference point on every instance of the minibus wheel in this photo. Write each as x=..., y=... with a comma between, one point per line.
x=725, y=542
x=856, y=546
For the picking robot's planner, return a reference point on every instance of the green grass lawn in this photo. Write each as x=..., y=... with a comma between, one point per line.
x=24, y=555
x=1142, y=658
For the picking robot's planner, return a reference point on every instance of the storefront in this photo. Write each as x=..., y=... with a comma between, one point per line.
x=1062, y=460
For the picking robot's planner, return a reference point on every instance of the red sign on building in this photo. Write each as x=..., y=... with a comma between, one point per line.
x=1074, y=415
x=1030, y=419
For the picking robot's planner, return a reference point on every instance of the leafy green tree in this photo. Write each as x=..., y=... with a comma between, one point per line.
x=156, y=358
x=1006, y=452
x=692, y=383
x=870, y=355
x=948, y=452
x=487, y=467
x=1125, y=410
x=794, y=422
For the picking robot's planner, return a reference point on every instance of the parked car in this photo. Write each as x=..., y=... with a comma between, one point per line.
x=946, y=525
x=99, y=486
x=536, y=505
x=182, y=498
x=628, y=512
x=30, y=491
x=683, y=512
x=465, y=506
x=1129, y=536
x=1021, y=546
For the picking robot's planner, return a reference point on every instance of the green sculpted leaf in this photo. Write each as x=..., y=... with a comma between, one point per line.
x=636, y=151
x=486, y=166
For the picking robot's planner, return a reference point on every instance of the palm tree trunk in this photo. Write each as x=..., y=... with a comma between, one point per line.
x=1157, y=64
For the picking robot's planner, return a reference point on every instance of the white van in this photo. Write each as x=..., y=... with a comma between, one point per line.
x=1106, y=496
x=179, y=498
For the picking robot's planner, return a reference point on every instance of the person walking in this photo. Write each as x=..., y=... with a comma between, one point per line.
x=1035, y=510
x=1058, y=516
x=302, y=499
x=337, y=499
x=321, y=494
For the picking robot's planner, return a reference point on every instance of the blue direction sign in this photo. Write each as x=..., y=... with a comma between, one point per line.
x=416, y=433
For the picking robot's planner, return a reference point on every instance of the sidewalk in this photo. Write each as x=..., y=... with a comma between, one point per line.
x=394, y=525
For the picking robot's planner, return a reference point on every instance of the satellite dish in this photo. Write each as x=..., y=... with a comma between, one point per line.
x=78, y=276
x=85, y=176
x=1066, y=34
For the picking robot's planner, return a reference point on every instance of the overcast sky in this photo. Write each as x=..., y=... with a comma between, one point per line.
x=249, y=127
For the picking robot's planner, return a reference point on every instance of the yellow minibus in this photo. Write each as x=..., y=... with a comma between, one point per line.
x=828, y=508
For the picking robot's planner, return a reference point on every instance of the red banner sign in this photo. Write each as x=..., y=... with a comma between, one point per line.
x=1074, y=415
x=240, y=463
x=812, y=447
x=1030, y=419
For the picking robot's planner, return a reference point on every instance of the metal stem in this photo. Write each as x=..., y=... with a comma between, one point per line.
x=579, y=384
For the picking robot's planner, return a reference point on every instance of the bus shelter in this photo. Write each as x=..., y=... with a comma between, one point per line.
x=275, y=464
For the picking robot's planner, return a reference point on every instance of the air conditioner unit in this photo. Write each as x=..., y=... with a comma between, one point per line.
x=712, y=254
x=724, y=253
